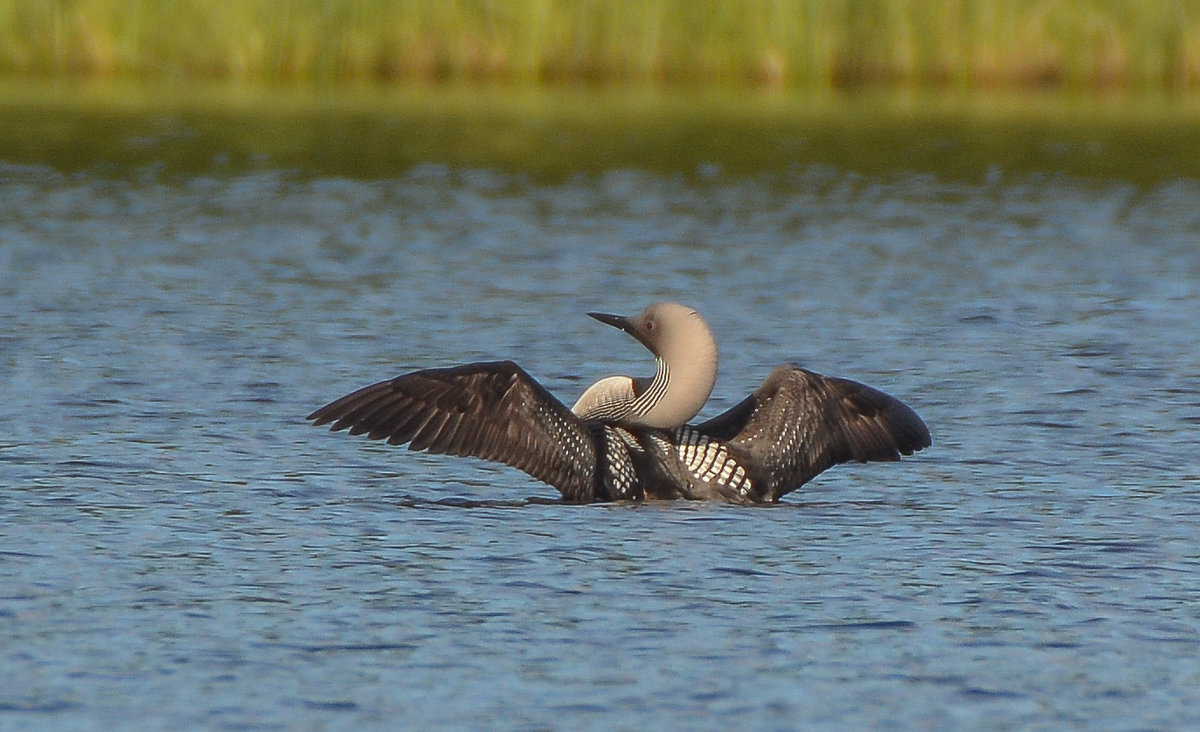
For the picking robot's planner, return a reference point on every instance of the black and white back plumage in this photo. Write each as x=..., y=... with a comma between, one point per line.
x=793, y=427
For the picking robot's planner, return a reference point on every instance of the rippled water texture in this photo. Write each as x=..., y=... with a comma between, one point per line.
x=181, y=550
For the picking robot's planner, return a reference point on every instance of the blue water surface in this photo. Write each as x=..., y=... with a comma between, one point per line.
x=179, y=549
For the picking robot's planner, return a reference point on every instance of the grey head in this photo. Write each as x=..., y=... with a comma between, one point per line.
x=686, y=354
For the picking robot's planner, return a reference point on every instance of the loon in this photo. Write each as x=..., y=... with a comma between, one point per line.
x=628, y=439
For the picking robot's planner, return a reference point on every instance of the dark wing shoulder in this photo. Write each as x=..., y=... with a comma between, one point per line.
x=495, y=411
x=798, y=423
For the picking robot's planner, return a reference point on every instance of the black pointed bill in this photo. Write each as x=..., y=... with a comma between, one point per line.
x=616, y=321
x=632, y=326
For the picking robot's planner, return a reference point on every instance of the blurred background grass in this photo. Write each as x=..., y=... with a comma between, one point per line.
x=813, y=44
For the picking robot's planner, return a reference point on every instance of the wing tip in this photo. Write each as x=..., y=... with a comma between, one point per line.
x=909, y=431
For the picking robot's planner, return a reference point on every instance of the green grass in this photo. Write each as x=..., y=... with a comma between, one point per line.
x=794, y=43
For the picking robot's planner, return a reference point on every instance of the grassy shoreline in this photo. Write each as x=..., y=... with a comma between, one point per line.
x=184, y=130
x=811, y=44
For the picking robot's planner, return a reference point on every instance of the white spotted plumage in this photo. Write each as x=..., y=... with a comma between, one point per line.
x=621, y=476
x=709, y=461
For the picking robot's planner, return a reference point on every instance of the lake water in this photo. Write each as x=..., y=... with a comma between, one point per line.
x=179, y=549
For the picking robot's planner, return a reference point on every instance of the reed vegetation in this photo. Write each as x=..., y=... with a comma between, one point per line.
x=791, y=43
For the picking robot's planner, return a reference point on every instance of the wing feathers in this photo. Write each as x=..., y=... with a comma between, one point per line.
x=798, y=423
x=494, y=411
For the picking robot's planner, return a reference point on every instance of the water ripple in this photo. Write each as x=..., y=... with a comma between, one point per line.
x=182, y=549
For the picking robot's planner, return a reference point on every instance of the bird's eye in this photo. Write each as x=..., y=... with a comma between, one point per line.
x=649, y=325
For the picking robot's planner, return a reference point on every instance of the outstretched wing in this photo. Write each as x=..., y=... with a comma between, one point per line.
x=495, y=411
x=798, y=423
